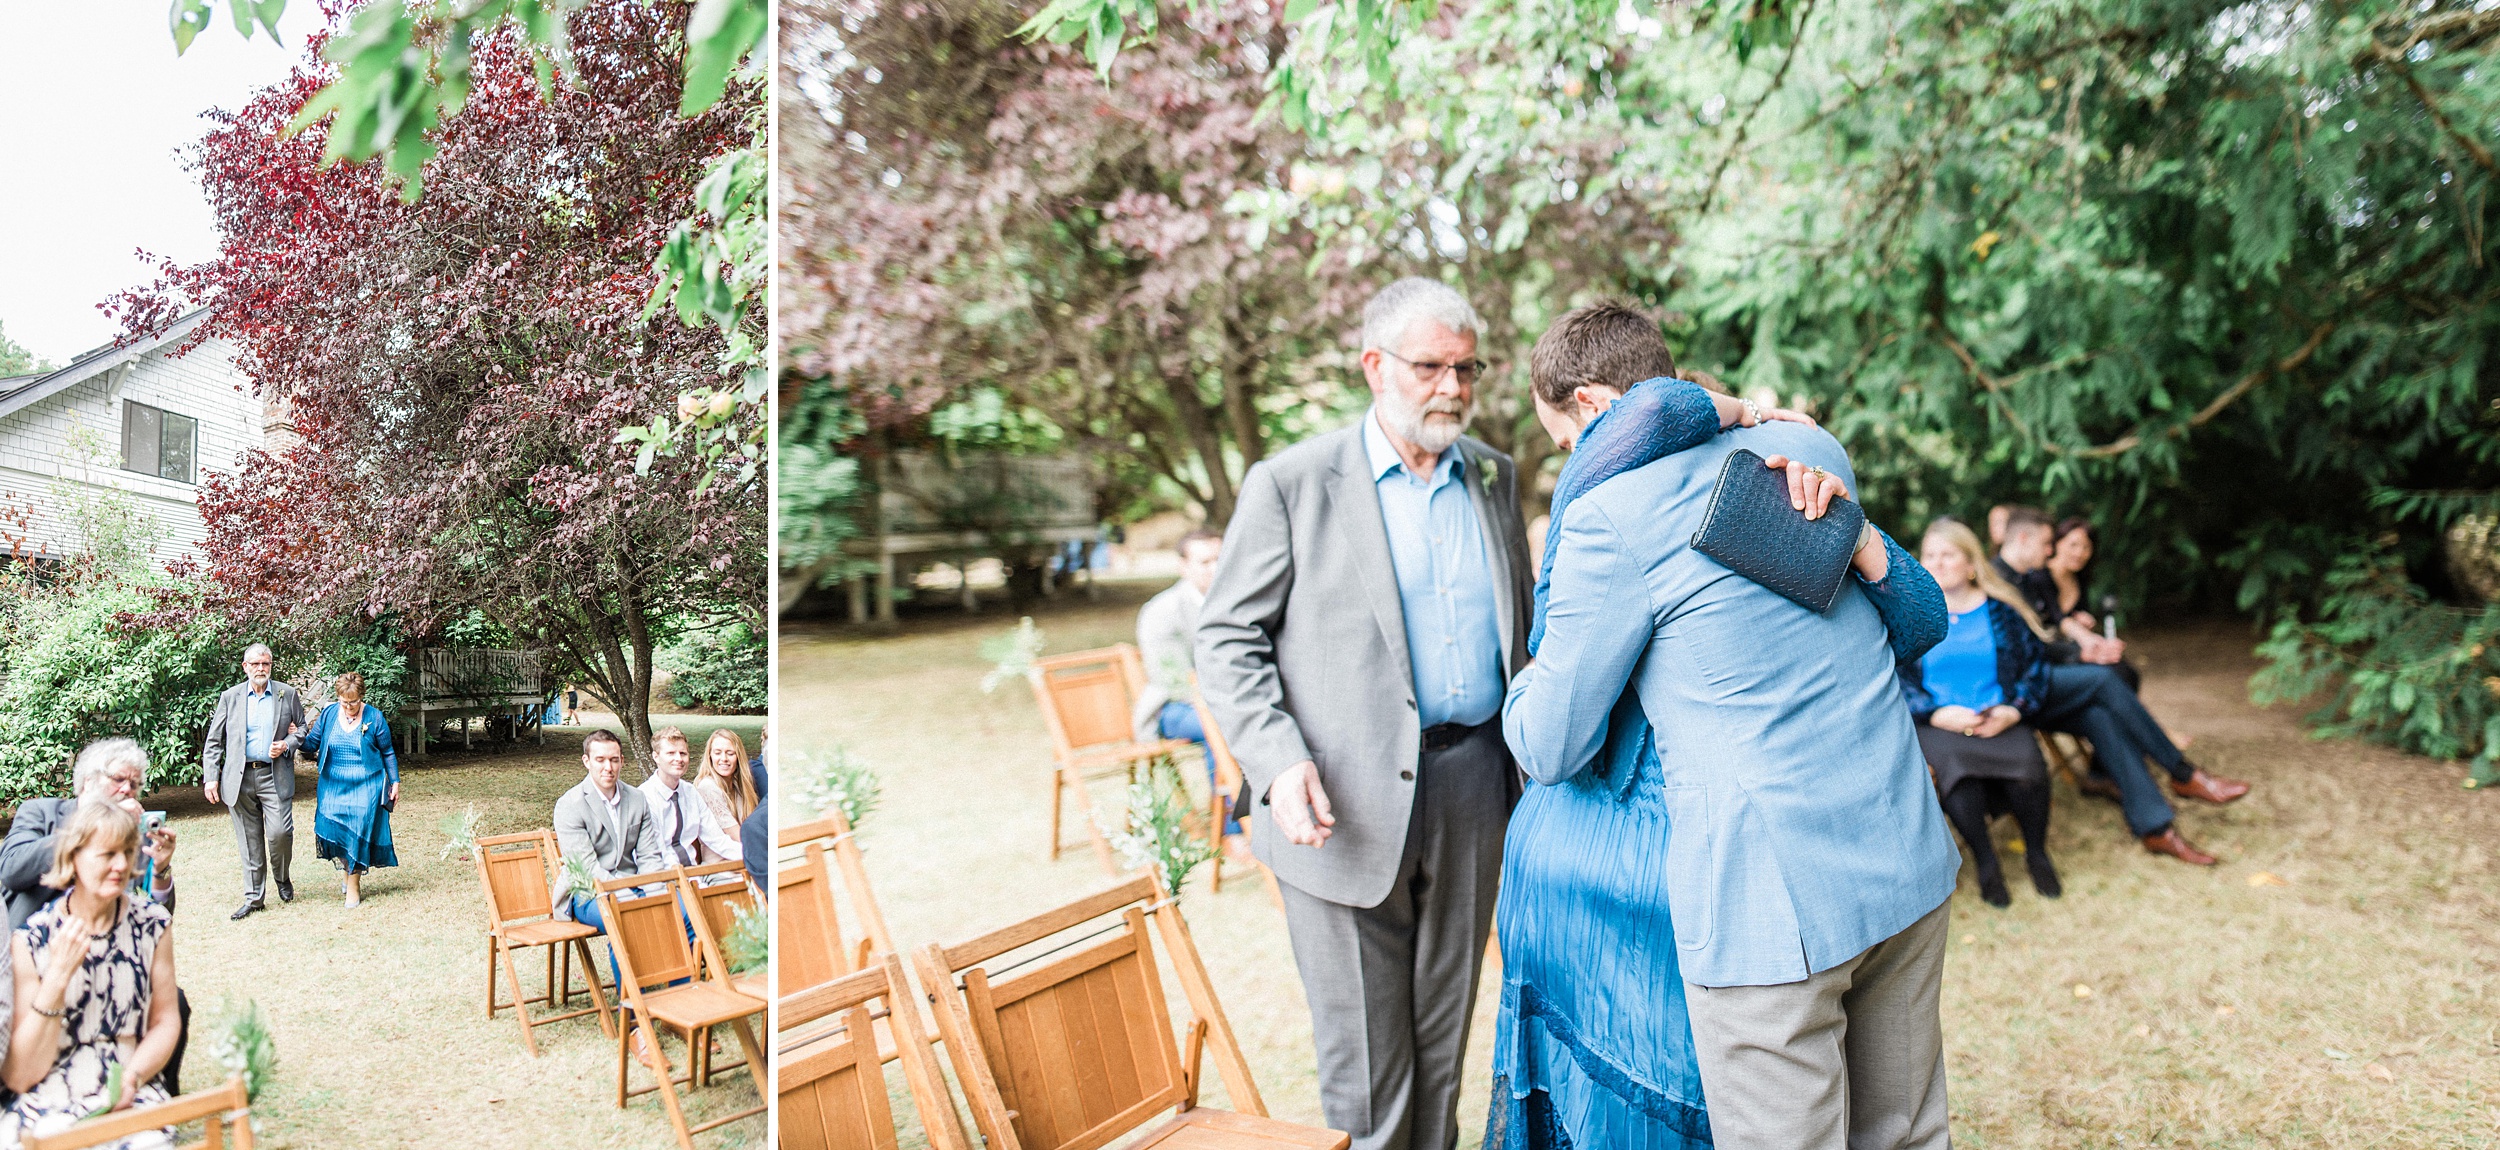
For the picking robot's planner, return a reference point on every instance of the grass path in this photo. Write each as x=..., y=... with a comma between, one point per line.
x=378, y=1012
x=2355, y=1005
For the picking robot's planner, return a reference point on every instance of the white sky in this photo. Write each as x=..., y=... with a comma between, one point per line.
x=93, y=108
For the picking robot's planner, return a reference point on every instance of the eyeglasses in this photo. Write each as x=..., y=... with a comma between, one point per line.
x=1429, y=372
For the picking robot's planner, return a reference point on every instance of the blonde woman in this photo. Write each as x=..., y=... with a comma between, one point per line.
x=1971, y=695
x=727, y=784
x=94, y=979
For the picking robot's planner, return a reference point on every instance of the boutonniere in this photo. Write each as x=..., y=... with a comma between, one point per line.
x=1489, y=472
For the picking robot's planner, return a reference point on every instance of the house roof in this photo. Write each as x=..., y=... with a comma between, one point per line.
x=21, y=391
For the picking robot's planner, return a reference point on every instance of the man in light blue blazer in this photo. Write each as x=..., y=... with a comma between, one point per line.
x=1808, y=864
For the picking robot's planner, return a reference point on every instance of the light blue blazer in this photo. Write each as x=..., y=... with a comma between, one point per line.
x=1803, y=826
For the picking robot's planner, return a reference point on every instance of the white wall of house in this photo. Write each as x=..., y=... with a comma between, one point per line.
x=37, y=454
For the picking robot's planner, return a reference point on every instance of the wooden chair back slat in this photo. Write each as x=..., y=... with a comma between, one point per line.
x=1140, y=888
x=647, y=929
x=1080, y=1048
x=1088, y=696
x=834, y=1096
x=515, y=869
x=832, y=1092
x=227, y=1108
x=713, y=907
x=811, y=947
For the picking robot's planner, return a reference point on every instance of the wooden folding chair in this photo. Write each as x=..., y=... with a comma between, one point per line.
x=712, y=909
x=813, y=947
x=832, y=1093
x=520, y=909
x=2061, y=759
x=227, y=1108
x=1220, y=794
x=1087, y=701
x=1078, y=1050
x=647, y=932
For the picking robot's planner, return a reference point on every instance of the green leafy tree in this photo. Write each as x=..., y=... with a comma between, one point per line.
x=15, y=359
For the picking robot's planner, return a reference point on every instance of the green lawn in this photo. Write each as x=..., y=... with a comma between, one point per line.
x=2357, y=1004
x=379, y=1012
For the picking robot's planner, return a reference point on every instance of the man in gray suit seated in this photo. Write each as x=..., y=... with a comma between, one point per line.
x=249, y=764
x=1370, y=608
x=607, y=824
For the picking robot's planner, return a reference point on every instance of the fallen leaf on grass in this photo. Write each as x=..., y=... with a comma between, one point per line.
x=2143, y=1030
x=2337, y=1055
x=2082, y=991
x=2224, y=1012
x=2381, y=1073
x=2267, y=878
x=1969, y=939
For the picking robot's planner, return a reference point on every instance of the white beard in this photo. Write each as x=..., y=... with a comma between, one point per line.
x=1408, y=419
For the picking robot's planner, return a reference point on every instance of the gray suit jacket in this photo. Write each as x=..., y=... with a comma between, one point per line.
x=1302, y=650
x=630, y=844
x=221, y=758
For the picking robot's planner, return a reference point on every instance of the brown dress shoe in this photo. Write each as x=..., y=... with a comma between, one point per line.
x=2171, y=842
x=2100, y=787
x=2211, y=788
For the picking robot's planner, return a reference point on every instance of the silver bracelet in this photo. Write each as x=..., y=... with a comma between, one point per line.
x=1753, y=409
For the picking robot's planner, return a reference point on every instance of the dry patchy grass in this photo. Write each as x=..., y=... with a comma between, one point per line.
x=2357, y=1004
x=378, y=1012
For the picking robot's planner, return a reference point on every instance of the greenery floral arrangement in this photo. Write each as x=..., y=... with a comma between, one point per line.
x=749, y=943
x=574, y=877
x=460, y=832
x=1164, y=825
x=1011, y=654
x=835, y=780
x=243, y=1045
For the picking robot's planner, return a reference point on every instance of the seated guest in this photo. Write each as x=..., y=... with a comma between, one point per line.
x=607, y=825
x=755, y=838
x=359, y=785
x=727, y=781
x=687, y=833
x=1167, y=637
x=1970, y=695
x=93, y=979
x=2030, y=544
x=107, y=771
x=2061, y=594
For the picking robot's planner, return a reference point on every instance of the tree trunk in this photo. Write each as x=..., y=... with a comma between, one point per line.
x=1198, y=424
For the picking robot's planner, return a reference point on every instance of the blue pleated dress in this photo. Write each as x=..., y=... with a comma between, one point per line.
x=1593, y=1044
x=357, y=770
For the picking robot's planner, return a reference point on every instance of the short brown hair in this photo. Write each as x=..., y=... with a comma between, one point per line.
x=120, y=831
x=339, y=685
x=597, y=737
x=1609, y=344
x=670, y=735
x=1199, y=535
x=2021, y=518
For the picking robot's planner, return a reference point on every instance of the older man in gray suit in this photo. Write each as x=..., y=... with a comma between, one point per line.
x=248, y=763
x=1370, y=609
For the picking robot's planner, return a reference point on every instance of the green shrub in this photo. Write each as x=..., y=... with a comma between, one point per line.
x=727, y=669
x=2398, y=667
x=72, y=671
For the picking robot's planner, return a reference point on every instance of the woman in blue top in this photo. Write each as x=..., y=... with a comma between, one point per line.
x=1593, y=1047
x=359, y=784
x=1970, y=695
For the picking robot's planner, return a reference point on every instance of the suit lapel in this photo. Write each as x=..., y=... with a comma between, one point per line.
x=1496, y=545
x=1366, y=536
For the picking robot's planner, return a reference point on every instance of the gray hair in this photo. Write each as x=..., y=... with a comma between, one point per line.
x=103, y=755
x=1399, y=305
x=258, y=649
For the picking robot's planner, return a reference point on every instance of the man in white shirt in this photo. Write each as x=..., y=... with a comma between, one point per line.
x=1167, y=641
x=687, y=833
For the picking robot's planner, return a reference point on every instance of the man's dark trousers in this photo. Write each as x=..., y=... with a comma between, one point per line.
x=2085, y=700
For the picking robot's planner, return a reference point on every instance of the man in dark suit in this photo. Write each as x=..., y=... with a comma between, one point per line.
x=249, y=765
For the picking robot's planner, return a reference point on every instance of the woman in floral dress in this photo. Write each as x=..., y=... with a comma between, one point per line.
x=94, y=977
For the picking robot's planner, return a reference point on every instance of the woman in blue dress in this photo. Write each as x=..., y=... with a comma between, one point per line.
x=359, y=784
x=1593, y=1047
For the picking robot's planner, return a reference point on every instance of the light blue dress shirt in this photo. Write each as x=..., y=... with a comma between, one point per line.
x=260, y=719
x=1445, y=583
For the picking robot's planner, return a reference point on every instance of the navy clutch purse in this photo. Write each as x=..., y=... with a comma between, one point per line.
x=1751, y=528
